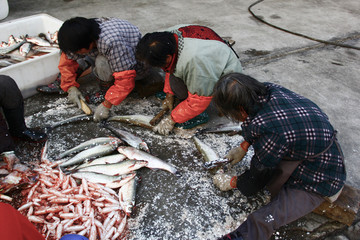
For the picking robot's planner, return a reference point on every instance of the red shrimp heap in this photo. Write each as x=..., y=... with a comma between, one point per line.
x=57, y=205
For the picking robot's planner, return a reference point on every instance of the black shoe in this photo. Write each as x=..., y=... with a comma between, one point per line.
x=96, y=98
x=231, y=236
x=31, y=135
x=53, y=87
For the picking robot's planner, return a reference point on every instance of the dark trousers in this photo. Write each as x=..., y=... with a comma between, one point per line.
x=12, y=104
x=288, y=205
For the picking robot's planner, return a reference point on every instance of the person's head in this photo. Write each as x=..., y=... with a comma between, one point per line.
x=237, y=93
x=78, y=34
x=156, y=49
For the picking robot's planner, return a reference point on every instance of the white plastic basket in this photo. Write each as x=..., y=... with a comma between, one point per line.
x=41, y=69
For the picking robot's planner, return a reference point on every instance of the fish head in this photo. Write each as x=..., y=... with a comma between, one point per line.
x=115, y=142
x=143, y=146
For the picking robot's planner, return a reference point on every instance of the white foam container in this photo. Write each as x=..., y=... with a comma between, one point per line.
x=41, y=69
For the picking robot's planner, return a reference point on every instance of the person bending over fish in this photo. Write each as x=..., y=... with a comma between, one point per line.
x=12, y=123
x=297, y=157
x=194, y=58
x=111, y=42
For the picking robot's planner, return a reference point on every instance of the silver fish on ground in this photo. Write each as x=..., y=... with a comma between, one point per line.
x=153, y=162
x=77, y=118
x=127, y=137
x=127, y=194
x=91, y=153
x=116, y=158
x=212, y=159
x=206, y=151
x=108, y=180
x=114, y=169
x=5, y=50
x=138, y=120
x=234, y=128
x=87, y=144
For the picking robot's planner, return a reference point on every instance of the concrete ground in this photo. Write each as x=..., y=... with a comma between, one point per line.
x=326, y=74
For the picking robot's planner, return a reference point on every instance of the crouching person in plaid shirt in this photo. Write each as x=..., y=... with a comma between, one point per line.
x=297, y=157
x=110, y=43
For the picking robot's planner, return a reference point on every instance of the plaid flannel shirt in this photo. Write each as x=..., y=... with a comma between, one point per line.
x=117, y=42
x=293, y=127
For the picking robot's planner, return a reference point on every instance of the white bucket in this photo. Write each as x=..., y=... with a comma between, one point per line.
x=4, y=9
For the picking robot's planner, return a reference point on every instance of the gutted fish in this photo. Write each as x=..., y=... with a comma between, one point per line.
x=114, y=169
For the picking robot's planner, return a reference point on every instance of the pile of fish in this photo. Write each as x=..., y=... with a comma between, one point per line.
x=57, y=205
x=17, y=49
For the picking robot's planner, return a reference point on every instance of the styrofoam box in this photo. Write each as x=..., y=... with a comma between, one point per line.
x=41, y=69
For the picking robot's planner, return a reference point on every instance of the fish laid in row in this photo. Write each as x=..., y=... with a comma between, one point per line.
x=115, y=169
x=153, y=162
x=92, y=153
x=115, y=158
x=127, y=194
x=110, y=181
x=88, y=144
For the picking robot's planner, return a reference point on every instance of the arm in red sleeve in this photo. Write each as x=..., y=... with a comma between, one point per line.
x=123, y=85
x=167, y=88
x=190, y=107
x=68, y=69
x=15, y=226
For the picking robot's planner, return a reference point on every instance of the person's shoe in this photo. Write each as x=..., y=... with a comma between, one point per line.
x=232, y=236
x=30, y=135
x=199, y=119
x=96, y=98
x=73, y=237
x=160, y=95
x=52, y=88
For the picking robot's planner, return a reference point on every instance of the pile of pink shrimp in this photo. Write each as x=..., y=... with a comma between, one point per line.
x=57, y=205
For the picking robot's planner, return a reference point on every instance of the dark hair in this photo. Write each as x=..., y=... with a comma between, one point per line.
x=153, y=48
x=77, y=33
x=237, y=91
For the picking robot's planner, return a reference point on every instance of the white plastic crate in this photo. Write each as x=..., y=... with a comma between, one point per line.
x=41, y=69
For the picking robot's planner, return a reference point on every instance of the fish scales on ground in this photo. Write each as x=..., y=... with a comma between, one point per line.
x=91, y=153
x=114, y=169
x=116, y=158
x=127, y=137
x=137, y=120
x=87, y=144
x=153, y=162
